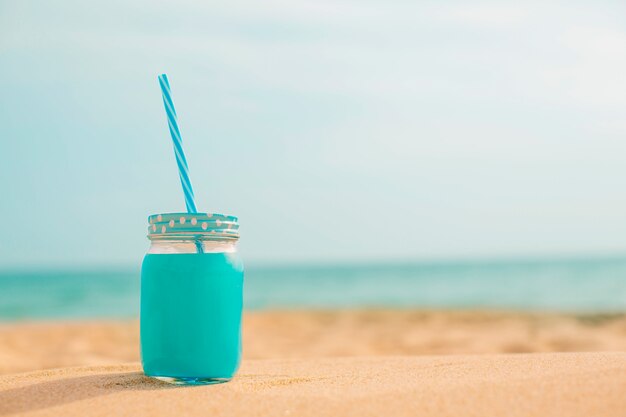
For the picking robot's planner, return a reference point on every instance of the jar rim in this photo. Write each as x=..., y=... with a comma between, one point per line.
x=192, y=226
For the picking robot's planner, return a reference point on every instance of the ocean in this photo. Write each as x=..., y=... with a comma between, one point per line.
x=581, y=285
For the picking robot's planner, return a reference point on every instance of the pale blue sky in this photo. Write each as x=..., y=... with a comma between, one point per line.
x=335, y=130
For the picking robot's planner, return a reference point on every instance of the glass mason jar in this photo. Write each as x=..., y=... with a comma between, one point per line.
x=191, y=298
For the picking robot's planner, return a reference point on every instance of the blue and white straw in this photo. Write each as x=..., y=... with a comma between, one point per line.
x=181, y=161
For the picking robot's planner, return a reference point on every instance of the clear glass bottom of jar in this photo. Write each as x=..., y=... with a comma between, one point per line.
x=190, y=380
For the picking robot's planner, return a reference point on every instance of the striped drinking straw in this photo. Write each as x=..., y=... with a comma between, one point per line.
x=181, y=161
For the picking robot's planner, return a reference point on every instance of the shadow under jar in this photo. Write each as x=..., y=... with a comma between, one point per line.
x=191, y=299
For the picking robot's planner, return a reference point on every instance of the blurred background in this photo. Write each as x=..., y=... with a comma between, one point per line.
x=377, y=154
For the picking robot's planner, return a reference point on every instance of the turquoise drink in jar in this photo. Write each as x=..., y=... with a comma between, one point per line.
x=191, y=298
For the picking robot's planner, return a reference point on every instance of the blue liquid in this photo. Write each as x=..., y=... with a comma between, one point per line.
x=191, y=315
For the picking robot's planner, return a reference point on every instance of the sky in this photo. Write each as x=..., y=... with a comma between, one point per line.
x=335, y=130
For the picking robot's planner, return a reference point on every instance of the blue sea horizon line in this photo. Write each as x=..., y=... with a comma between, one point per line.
x=341, y=263
x=575, y=284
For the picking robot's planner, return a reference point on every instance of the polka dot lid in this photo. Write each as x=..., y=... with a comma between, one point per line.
x=208, y=226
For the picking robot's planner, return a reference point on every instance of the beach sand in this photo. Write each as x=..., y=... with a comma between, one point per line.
x=29, y=346
x=545, y=384
x=348, y=363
